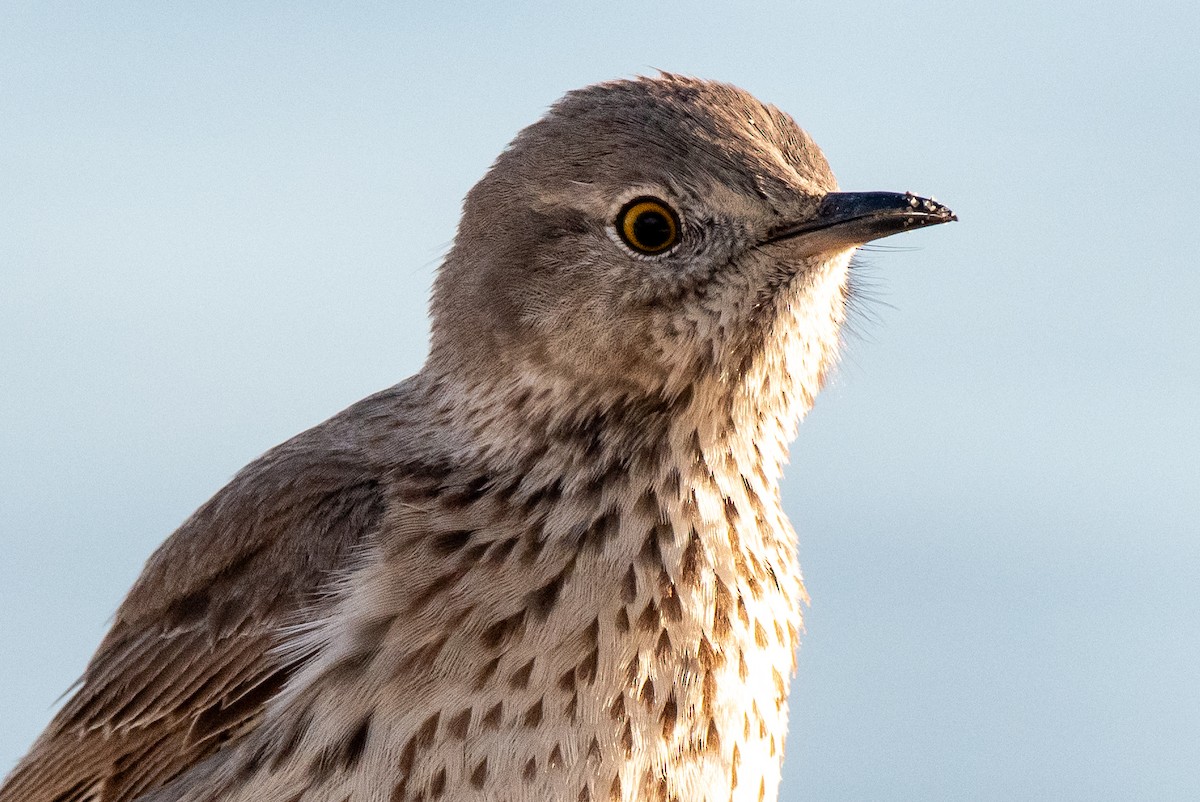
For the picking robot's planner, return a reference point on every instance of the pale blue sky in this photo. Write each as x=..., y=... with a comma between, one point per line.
x=219, y=226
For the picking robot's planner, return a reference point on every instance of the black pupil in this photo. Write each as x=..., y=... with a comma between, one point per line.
x=652, y=230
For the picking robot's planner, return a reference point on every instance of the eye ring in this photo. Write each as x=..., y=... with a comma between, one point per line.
x=648, y=225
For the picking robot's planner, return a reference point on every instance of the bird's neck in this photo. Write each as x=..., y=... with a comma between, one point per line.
x=740, y=411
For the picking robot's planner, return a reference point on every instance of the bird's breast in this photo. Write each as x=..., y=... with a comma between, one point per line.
x=518, y=637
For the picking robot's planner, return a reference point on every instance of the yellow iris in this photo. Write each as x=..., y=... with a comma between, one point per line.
x=648, y=225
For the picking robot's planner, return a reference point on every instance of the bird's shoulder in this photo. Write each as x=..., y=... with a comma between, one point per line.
x=194, y=652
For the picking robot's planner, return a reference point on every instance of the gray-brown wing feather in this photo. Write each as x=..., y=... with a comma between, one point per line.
x=192, y=655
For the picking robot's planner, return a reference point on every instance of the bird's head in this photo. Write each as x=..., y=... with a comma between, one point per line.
x=649, y=234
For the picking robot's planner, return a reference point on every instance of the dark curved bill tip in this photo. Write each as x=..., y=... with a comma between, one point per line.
x=849, y=218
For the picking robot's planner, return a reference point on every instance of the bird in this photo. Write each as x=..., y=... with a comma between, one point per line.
x=553, y=564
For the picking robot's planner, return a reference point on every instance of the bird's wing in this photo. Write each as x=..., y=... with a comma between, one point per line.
x=192, y=654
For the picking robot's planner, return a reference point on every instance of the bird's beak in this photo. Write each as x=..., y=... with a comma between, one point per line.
x=846, y=219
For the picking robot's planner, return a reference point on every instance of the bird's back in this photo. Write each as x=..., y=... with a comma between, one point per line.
x=191, y=658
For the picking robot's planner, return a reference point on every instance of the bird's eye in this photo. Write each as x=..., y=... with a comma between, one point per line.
x=648, y=225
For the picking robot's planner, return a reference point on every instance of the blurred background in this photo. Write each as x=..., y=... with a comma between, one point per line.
x=219, y=225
